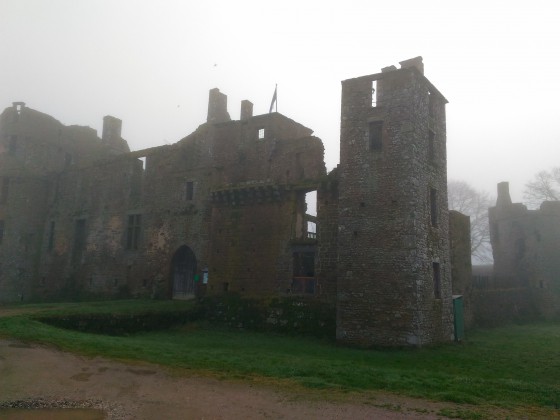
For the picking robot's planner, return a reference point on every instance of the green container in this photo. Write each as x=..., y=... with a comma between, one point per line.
x=458, y=317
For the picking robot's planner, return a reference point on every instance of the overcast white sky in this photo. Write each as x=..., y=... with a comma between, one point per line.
x=151, y=63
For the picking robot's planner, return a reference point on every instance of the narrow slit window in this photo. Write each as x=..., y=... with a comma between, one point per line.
x=68, y=160
x=433, y=207
x=431, y=104
x=50, y=244
x=4, y=190
x=431, y=146
x=79, y=239
x=133, y=231
x=12, y=148
x=189, y=191
x=375, y=135
x=374, y=93
x=437, y=280
x=1, y=230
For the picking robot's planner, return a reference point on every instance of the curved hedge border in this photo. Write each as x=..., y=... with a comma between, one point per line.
x=122, y=324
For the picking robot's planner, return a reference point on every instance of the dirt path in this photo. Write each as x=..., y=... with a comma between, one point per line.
x=149, y=392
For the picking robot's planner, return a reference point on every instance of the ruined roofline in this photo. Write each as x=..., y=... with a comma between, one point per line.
x=504, y=202
x=265, y=117
x=218, y=114
x=392, y=70
x=26, y=109
x=70, y=127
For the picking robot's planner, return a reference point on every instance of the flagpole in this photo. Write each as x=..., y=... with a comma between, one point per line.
x=274, y=100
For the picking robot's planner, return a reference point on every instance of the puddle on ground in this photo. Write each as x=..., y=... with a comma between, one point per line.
x=51, y=414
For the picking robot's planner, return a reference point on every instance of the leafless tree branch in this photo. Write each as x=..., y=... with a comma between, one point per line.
x=465, y=199
x=545, y=187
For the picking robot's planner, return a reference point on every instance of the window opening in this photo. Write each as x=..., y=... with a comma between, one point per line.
x=311, y=203
x=79, y=239
x=519, y=248
x=431, y=146
x=189, y=191
x=68, y=160
x=12, y=148
x=143, y=160
x=437, y=280
x=311, y=214
x=50, y=245
x=133, y=231
x=311, y=230
x=375, y=135
x=433, y=207
x=303, y=281
x=430, y=104
x=4, y=190
x=261, y=133
x=374, y=93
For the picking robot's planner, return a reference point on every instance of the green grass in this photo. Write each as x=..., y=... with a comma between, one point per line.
x=509, y=367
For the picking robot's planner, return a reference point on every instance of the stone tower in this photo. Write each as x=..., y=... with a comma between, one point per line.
x=526, y=250
x=394, y=275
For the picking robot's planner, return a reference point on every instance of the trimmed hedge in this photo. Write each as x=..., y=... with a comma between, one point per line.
x=288, y=315
x=122, y=324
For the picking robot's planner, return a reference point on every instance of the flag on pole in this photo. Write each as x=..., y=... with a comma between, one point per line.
x=274, y=100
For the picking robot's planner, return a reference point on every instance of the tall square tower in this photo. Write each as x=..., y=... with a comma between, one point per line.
x=394, y=274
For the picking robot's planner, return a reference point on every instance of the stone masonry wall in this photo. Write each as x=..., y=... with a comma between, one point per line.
x=388, y=245
x=327, y=236
x=526, y=249
x=34, y=149
x=246, y=244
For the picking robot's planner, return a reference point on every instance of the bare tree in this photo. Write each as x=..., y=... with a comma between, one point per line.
x=545, y=187
x=465, y=199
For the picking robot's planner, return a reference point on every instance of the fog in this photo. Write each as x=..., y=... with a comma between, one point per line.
x=152, y=64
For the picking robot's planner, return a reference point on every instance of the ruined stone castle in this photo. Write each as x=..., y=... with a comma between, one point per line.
x=224, y=210
x=526, y=248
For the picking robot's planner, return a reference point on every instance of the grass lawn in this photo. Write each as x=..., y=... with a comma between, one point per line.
x=511, y=367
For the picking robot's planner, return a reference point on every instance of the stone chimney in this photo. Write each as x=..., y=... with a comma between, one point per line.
x=18, y=106
x=246, y=110
x=413, y=62
x=111, y=129
x=504, y=198
x=111, y=135
x=217, y=107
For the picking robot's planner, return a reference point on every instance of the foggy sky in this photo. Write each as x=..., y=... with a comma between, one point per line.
x=152, y=64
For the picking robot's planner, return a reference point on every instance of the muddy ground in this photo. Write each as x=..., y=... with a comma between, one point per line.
x=131, y=391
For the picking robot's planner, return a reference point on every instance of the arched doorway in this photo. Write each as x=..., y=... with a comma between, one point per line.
x=183, y=270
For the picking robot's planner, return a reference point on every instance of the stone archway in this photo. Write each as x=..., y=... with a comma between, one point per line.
x=183, y=270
